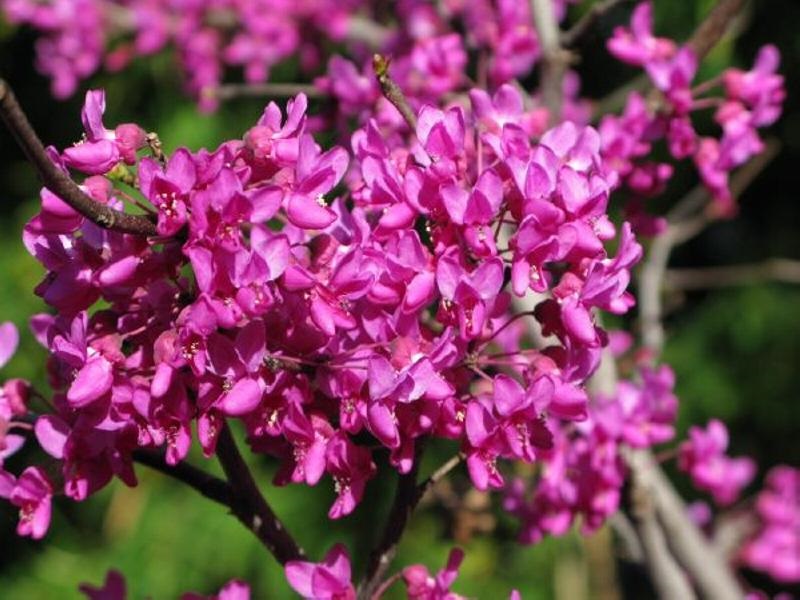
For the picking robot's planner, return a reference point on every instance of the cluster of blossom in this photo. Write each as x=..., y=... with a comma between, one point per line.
x=703, y=457
x=751, y=100
x=583, y=474
x=326, y=327
x=775, y=549
x=315, y=319
x=78, y=36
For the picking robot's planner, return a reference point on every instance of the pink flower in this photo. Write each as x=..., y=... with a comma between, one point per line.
x=637, y=45
x=9, y=338
x=327, y=580
x=421, y=585
x=114, y=588
x=32, y=493
x=702, y=456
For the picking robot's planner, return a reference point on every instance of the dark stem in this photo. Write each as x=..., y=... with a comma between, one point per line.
x=249, y=505
x=406, y=497
x=392, y=91
x=57, y=181
x=209, y=486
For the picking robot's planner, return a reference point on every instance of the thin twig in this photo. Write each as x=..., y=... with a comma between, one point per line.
x=554, y=58
x=392, y=92
x=208, y=485
x=249, y=505
x=573, y=36
x=406, y=497
x=57, y=181
x=439, y=474
x=714, y=26
x=782, y=270
x=229, y=91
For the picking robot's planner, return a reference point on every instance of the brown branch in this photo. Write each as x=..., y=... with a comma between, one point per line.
x=57, y=181
x=554, y=58
x=439, y=474
x=775, y=269
x=668, y=578
x=714, y=26
x=406, y=497
x=209, y=486
x=573, y=36
x=249, y=505
x=391, y=91
x=229, y=91
x=693, y=550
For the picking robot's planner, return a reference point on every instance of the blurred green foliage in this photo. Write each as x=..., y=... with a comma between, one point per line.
x=735, y=353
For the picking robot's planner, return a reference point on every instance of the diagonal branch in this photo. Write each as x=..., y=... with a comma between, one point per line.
x=714, y=26
x=392, y=91
x=59, y=182
x=249, y=505
x=573, y=36
x=209, y=486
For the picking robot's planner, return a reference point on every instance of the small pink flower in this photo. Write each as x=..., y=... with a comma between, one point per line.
x=328, y=580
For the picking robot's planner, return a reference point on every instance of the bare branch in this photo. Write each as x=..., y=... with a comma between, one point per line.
x=775, y=269
x=209, y=486
x=714, y=26
x=668, y=578
x=229, y=91
x=392, y=91
x=573, y=36
x=693, y=550
x=249, y=505
x=554, y=58
x=59, y=182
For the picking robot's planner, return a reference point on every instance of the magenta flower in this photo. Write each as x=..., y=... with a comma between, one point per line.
x=32, y=493
x=9, y=339
x=637, y=45
x=703, y=457
x=114, y=588
x=351, y=467
x=421, y=585
x=775, y=548
x=327, y=580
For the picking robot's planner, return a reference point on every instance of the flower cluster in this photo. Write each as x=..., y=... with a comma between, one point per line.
x=79, y=36
x=750, y=100
x=703, y=457
x=314, y=312
x=584, y=472
x=775, y=549
x=210, y=36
